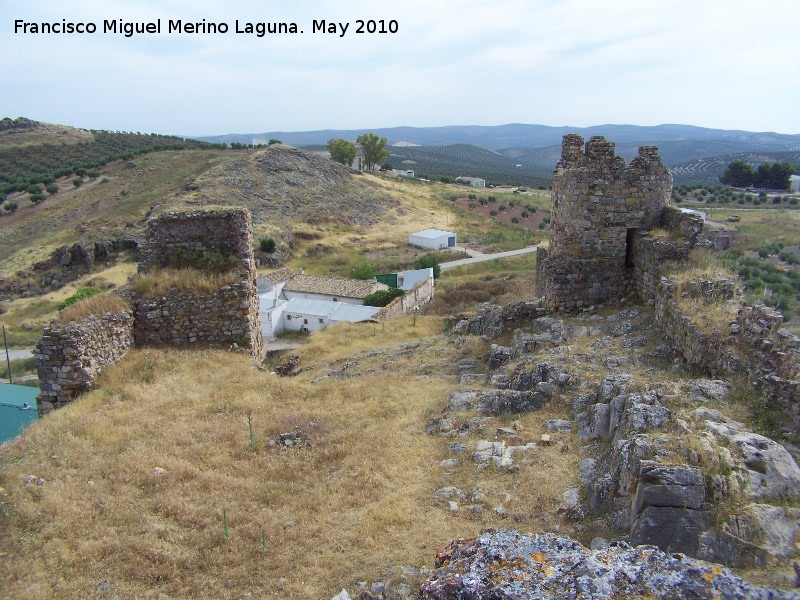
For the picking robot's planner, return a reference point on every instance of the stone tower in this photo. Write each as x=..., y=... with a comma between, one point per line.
x=599, y=206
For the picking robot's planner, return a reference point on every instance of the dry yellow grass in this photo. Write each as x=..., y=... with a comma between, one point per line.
x=158, y=282
x=712, y=315
x=95, y=305
x=303, y=521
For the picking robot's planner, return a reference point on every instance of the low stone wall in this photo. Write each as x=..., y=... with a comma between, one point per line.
x=70, y=356
x=753, y=344
x=187, y=317
x=420, y=294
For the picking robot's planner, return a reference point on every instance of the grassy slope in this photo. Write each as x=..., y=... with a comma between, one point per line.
x=355, y=501
x=98, y=209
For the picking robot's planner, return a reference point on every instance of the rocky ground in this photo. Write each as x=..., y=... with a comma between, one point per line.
x=664, y=457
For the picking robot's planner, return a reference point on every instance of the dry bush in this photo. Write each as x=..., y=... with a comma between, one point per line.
x=711, y=314
x=467, y=296
x=100, y=304
x=153, y=283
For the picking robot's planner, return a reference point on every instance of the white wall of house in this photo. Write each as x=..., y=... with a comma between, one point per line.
x=313, y=315
x=794, y=183
x=301, y=314
x=408, y=279
x=270, y=310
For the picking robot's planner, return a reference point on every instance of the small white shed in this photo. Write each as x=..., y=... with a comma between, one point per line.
x=433, y=239
x=794, y=183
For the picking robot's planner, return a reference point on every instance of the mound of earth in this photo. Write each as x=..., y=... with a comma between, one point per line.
x=281, y=183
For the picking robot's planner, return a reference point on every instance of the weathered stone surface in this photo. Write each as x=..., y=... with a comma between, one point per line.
x=497, y=356
x=770, y=470
x=757, y=536
x=505, y=564
x=599, y=206
x=676, y=487
x=219, y=239
x=559, y=425
x=497, y=402
x=462, y=400
x=670, y=529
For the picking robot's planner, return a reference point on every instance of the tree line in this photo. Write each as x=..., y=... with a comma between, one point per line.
x=773, y=176
x=373, y=147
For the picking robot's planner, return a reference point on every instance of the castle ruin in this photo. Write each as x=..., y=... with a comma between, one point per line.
x=601, y=207
x=69, y=356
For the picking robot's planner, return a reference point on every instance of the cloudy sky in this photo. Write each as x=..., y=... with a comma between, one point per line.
x=725, y=64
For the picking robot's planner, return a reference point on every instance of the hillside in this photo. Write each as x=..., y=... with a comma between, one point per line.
x=38, y=153
x=383, y=467
x=468, y=160
x=280, y=184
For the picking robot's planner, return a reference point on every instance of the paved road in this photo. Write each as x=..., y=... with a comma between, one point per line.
x=483, y=257
x=15, y=354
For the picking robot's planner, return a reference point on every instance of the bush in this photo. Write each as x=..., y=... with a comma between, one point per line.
x=514, y=220
x=382, y=297
x=81, y=294
x=34, y=189
x=36, y=198
x=93, y=174
x=11, y=206
x=273, y=141
x=81, y=172
x=267, y=245
x=793, y=201
x=77, y=182
x=492, y=213
x=429, y=261
x=365, y=271
x=52, y=189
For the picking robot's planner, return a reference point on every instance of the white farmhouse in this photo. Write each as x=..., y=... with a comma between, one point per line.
x=301, y=314
x=334, y=289
x=433, y=239
x=794, y=183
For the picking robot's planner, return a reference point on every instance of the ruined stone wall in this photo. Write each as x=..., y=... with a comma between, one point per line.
x=187, y=317
x=650, y=253
x=198, y=238
x=599, y=203
x=420, y=294
x=69, y=357
x=215, y=239
x=753, y=344
x=687, y=224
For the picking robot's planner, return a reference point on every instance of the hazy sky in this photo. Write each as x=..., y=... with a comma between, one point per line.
x=728, y=64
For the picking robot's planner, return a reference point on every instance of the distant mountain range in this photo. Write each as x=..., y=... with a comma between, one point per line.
x=528, y=153
x=518, y=135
